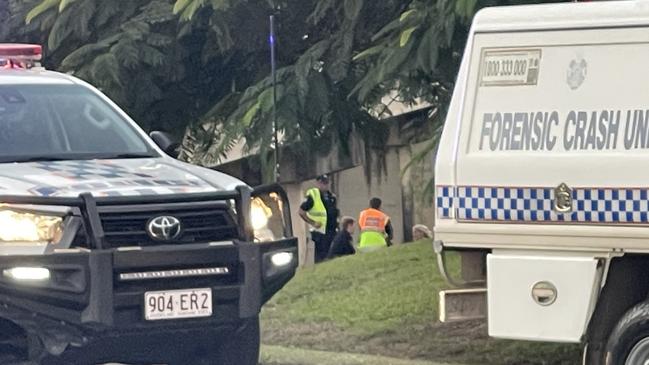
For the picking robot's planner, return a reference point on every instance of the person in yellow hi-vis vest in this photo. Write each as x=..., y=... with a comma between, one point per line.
x=375, y=227
x=320, y=211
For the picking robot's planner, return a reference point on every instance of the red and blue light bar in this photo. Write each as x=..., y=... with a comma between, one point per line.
x=21, y=56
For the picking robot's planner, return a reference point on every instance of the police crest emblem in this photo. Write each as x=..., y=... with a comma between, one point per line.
x=563, y=198
x=577, y=70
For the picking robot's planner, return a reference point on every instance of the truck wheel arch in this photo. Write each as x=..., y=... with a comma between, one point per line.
x=618, y=295
x=630, y=336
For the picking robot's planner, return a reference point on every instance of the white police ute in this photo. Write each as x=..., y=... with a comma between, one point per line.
x=542, y=177
x=113, y=251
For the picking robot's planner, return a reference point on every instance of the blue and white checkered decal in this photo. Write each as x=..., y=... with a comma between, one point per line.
x=444, y=201
x=88, y=170
x=521, y=205
x=107, y=178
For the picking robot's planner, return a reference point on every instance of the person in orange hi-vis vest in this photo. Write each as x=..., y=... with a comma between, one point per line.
x=375, y=227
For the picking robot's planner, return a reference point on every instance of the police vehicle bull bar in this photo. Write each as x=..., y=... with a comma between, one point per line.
x=87, y=291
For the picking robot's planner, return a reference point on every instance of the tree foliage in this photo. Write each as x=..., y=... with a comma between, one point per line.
x=416, y=56
x=203, y=65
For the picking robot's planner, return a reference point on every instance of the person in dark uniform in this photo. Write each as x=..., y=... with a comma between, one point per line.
x=342, y=243
x=320, y=211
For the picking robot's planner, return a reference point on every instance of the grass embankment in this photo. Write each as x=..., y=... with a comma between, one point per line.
x=279, y=355
x=385, y=303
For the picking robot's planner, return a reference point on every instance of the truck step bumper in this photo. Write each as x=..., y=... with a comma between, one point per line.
x=462, y=304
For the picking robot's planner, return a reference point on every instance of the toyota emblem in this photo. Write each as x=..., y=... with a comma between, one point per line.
x=164, y=228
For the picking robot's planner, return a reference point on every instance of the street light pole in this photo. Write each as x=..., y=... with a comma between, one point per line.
x=273, y=68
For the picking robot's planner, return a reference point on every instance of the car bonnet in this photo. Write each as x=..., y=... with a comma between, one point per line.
x=123, y=177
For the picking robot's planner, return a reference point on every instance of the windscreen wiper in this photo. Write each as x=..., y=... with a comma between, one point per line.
x=127, y=155
x=73, y=157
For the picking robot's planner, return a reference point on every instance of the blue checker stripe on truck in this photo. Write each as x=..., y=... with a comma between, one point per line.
x=521, y=205
x=444, y=201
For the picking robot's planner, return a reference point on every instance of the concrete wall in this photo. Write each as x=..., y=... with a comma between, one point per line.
x=418, y=206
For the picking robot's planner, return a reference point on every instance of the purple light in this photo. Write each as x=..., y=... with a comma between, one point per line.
x=272, y=39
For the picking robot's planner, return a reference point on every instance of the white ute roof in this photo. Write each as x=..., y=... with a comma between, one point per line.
x=38, y=77
x=563, y=16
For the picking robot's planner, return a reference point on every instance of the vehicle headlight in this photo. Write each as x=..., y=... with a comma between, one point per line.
x=280, y=259
x=29, y=228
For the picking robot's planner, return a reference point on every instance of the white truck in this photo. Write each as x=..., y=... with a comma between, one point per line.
x=542, y=177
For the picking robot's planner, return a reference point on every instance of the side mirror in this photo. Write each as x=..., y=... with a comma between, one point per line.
x=166, y=142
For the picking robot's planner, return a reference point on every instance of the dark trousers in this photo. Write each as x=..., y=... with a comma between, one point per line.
x=322, y=244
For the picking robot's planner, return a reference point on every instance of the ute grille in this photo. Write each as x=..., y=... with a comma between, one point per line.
x=126, y=225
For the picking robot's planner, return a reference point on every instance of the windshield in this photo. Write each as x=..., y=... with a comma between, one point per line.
x=63, y=122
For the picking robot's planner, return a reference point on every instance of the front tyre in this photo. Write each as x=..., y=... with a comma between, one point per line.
x=243, y=347
x=628, y=344
x=14, y=345
x=239, y=348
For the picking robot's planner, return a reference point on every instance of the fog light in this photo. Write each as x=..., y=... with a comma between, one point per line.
x=281, y=258
x=27, y=273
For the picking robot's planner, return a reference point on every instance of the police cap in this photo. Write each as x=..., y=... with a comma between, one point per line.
x=324, y=178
